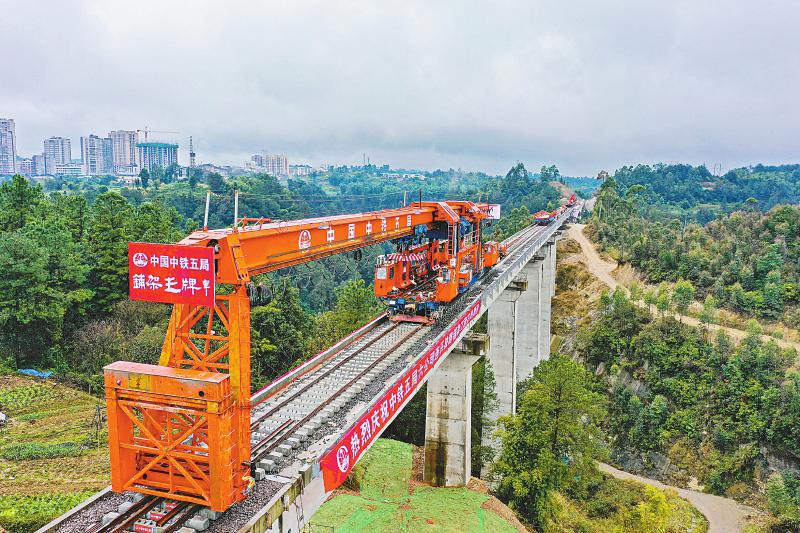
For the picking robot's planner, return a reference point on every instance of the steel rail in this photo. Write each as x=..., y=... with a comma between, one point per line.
x=126, y=519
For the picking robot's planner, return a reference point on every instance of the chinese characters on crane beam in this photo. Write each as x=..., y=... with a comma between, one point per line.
x=171, y=273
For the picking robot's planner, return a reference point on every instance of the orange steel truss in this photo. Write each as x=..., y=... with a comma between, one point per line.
x=172, y=433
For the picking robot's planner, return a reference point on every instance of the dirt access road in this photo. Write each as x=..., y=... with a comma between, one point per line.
x=724, y=515
x=603, y=269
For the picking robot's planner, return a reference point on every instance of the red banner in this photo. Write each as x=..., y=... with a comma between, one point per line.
x=171, y=273
x=342, y=457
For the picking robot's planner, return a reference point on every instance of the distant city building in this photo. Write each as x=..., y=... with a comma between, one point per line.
x=153, y=154
x=68, y=169
x=39, y=165
x=602, y=175
x=300, y=170
x=403, y=176
x=8, y=146
x=96, y=155
x=26, y=167
x=123, y=149
x=273, y=164
x=56, y=151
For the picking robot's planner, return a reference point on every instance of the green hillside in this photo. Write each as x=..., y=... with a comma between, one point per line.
x=387, y=499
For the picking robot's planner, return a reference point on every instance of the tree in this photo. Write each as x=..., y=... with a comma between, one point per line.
x=144, y=177
x=663, y=303
x=682, y=296
x=550, y=173
x=553, y=440
x=194, y=177
x=709, y=313
x=41, y=282
x=107, y=244
x=637, y=293
x=355, y=305
x=18, y=202
x=215, y=182
x=279, y=333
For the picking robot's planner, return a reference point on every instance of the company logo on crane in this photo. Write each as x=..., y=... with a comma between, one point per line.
x=140, y=259
x=304, y=241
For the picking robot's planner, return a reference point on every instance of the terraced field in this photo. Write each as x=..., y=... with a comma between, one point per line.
x=51, y=456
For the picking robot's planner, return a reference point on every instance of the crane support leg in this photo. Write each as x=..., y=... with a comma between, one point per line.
x=207, y=348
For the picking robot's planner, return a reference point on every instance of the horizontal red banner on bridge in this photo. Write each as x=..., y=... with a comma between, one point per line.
x=171, y=273
x=342, y=457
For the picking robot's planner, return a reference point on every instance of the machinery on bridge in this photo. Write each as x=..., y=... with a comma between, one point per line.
x=181, y=430
x=435, y=264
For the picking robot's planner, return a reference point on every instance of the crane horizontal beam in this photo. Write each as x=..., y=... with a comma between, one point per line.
x=266, y=245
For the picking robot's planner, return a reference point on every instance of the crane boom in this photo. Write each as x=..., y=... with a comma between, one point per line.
x=259, y=246
x=256, y=246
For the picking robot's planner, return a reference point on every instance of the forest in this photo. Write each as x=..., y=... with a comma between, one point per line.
x=680, y=396
x=747, y=261
x=63, y=251
x=703, y=195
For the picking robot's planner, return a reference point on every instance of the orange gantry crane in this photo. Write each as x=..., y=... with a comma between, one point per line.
x=181, y=430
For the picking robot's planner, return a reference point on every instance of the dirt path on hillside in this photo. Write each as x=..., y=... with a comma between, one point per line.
x=724, y=515
x=603, y=269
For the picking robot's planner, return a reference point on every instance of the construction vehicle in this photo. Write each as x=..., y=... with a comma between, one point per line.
x=434, y=265
x=544, y=218
x=181, y=429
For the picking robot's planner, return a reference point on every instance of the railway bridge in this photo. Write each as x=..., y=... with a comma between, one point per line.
x=311, y=426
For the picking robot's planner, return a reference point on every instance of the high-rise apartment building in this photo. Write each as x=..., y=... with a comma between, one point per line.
x=96, y=155
x=57, y=151
x=273, y=164
x=8, y=146
x=123, y=148
x=277, y=165
x=153, y=154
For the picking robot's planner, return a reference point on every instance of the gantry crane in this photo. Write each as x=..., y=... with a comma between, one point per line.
x=181, y=429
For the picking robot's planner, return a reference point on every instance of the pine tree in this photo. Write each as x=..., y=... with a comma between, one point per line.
x=107, y=245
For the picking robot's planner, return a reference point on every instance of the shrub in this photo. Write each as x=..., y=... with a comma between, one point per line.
x=35, y=450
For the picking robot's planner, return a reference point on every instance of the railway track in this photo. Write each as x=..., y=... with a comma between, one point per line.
x=149, y=515
x=282, y=423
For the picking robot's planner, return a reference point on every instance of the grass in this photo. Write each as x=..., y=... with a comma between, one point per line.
x=389, y=501
x=22, y=514
x=48, y=462
x=36, y=450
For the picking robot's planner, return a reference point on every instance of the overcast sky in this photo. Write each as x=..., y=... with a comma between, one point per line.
x=585, y=85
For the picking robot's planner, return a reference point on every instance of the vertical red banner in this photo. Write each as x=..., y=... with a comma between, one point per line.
x=171, y=273
x=340, y=459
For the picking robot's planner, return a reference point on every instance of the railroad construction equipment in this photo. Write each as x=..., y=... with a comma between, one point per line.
x=181, y=430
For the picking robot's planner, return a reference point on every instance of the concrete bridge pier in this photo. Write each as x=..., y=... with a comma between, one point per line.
x=548, y=291
x=519, y=326
x=448, y=418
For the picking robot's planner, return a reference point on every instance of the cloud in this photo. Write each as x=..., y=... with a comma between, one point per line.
x=480, y=85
